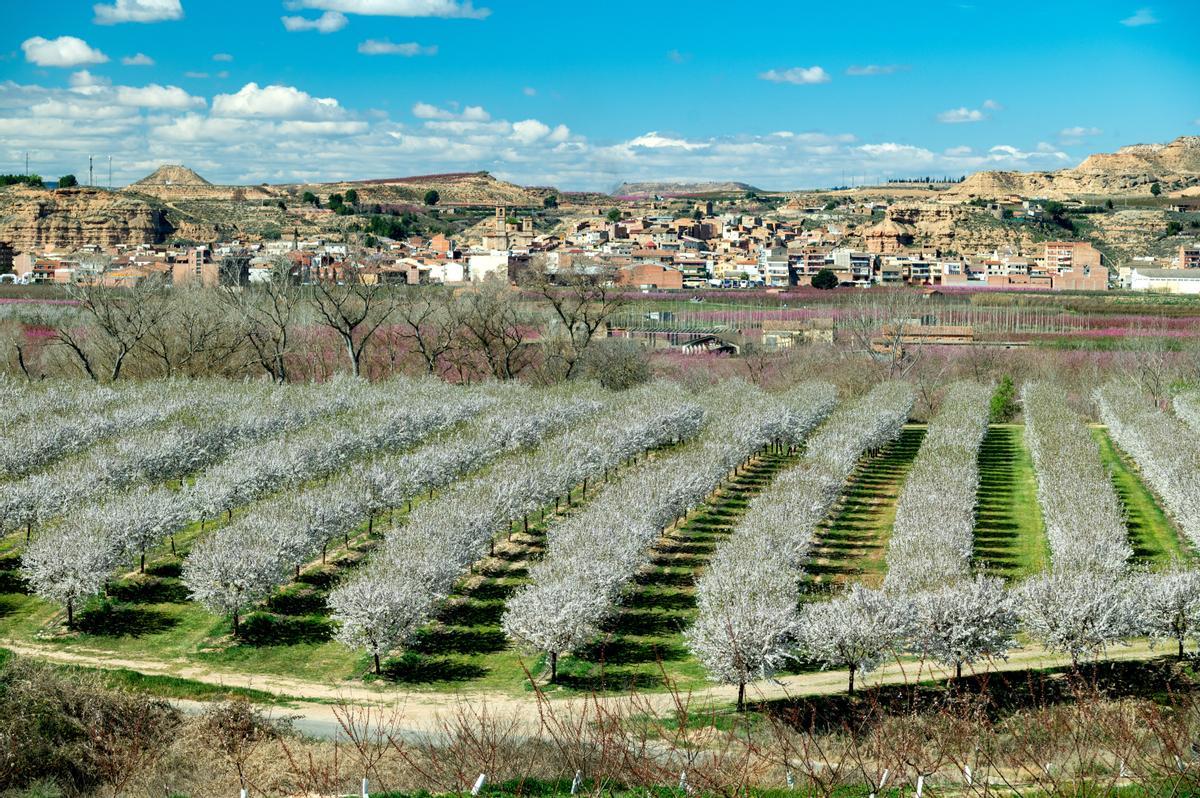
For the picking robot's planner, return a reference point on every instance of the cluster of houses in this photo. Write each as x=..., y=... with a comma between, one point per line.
x=654, y=249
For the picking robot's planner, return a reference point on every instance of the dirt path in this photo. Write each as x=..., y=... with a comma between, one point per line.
x=421, y=711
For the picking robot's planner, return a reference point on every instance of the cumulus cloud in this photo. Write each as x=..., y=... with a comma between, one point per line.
x=328, y=22
x=275, y=102
x=384, y=47
x=399, y=8
x=529, y=91
x=140, y=59
x=137, y=11
x=1143, y=16
x=84, y=82
x=65, y=51
x=472, y=113
x=1079, y=132
x=280, y=133
x=222, y=57
x=677, y=57
x=156, y=96
x=654, y=141
x=959, y=115
x=868, y=70
x=799, y=76
x=529, y=130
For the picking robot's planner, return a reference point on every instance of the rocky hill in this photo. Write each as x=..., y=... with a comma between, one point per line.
x=458, y=188
x=171, y=175
x=1132, y=170
x=37, y=219
x=676, y=189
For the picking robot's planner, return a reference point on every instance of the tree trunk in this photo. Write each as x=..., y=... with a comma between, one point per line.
x=553, y=667
x=376, y=656
x=172, y=545
x=236, y=622
x=28, y=530
x=958, y=671
x=70, y=613
x=143, y=561
x=851, y=690
x=229, y=515
x=324, y=548
x=741, y=700
x=1181, y=648
x=525, y=521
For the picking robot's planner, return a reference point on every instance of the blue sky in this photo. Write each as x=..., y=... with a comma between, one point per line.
x=582, y=95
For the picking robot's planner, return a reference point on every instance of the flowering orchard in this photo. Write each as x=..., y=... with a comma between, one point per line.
x=401, y=494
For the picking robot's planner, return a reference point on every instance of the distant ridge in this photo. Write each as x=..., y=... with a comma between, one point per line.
x=679, y=189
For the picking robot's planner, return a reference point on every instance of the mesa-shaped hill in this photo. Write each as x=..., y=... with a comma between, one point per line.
x=679, y=188
x=454, y=188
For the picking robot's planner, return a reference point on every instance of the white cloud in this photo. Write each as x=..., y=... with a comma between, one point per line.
x=992, y=105
x=301, y=127
x=197, y=128
x=399, y=8
x=868, y=70
x=84, y=82
x=140, y=59
x=959, y=115
x=137, y=11
x=156, y=96
x=654, y=141
x=275, y=102
x=472, y=113
x=1144, y=16
x=799, y=76
x=1079, y=132
x=529, y=91
x=65, y=51
x=328, y=22
x=223, y=57
x=529, y=131
x=678, y=58
x=384, y=47
x=282, y=134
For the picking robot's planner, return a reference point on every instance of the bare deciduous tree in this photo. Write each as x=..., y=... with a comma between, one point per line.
x=582, y=299
x=121, y=319
x=267, y=314
x=355, y=310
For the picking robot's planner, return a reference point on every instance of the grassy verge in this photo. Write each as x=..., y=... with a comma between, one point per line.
x=1010, y=537
x=851, y=545
x=1154, y=538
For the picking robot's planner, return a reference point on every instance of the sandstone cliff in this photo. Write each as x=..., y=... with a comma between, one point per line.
x=36, y=219
x=1132, y=170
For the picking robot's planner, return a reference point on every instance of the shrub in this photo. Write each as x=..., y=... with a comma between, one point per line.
x=825, y=280
x=616, y=364
x=1004, y=402
x=69, y=730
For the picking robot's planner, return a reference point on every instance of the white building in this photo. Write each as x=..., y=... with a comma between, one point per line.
x=1166, y=281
